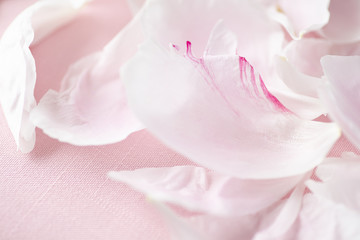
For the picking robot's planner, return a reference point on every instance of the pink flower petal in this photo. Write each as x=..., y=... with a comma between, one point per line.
x=199, y=190
x=322, y=219
x=339, y=181
x=301, y=85
x=286, y=215
x=135, y=5
x=176, y=22
x=306, y=53
x=91, y=107
x=342, y=93
x=302, y=16
x=17, y=65
x=207, y=226
x=344, y=21
x=217, y=111
x=222, y=41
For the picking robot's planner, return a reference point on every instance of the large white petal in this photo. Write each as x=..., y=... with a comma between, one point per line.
x=17, y=65
x=217, y=111
x=91, y=107
x=341, y=95
x=200, y=190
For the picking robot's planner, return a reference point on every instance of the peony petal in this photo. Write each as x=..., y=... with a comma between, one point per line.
x=135, y=5
x=344, y=21
x=306, y=53
x=339, y=181
x=197, y=189
x=297, y=91
x=221, y=41
x=211, y=227
x=301, y=71
x=91, y=107
x=342, y=93
x=297, y=81
x=286, y=216
x=302, y=106
x=18, y=73
x=322, y=219
x=302, y=16
x=177, y=21
x=217, y=111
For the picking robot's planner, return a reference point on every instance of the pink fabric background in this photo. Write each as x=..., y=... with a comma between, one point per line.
x=60, y=191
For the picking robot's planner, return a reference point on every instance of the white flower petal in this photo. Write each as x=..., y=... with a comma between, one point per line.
x=178, y=21
x=305, y=54
x=197, y=189
x=322, y=219
x=301, y=16
x=17, y=65
x=342, y=96
x=217, y=111
x=222, y=41
x=135, y=5
x=298, y=82
x=286, y=216
x=339, y=181
x=211, y=227
x=344, y=21
x=91, y=106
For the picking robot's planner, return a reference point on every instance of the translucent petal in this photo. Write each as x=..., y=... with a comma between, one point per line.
x=17, y=65
x=179, y=21
x=344, y=21
x=341, y=95
x=339, y=181
x=301, y=16
x=217, y=111
x=322, y=219
x=91, y=106
x=197, y=189
x=221, y=41
x=207, y=226
x=135, y=5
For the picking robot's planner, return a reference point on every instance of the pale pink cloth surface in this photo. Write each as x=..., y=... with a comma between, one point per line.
x=60, y=191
